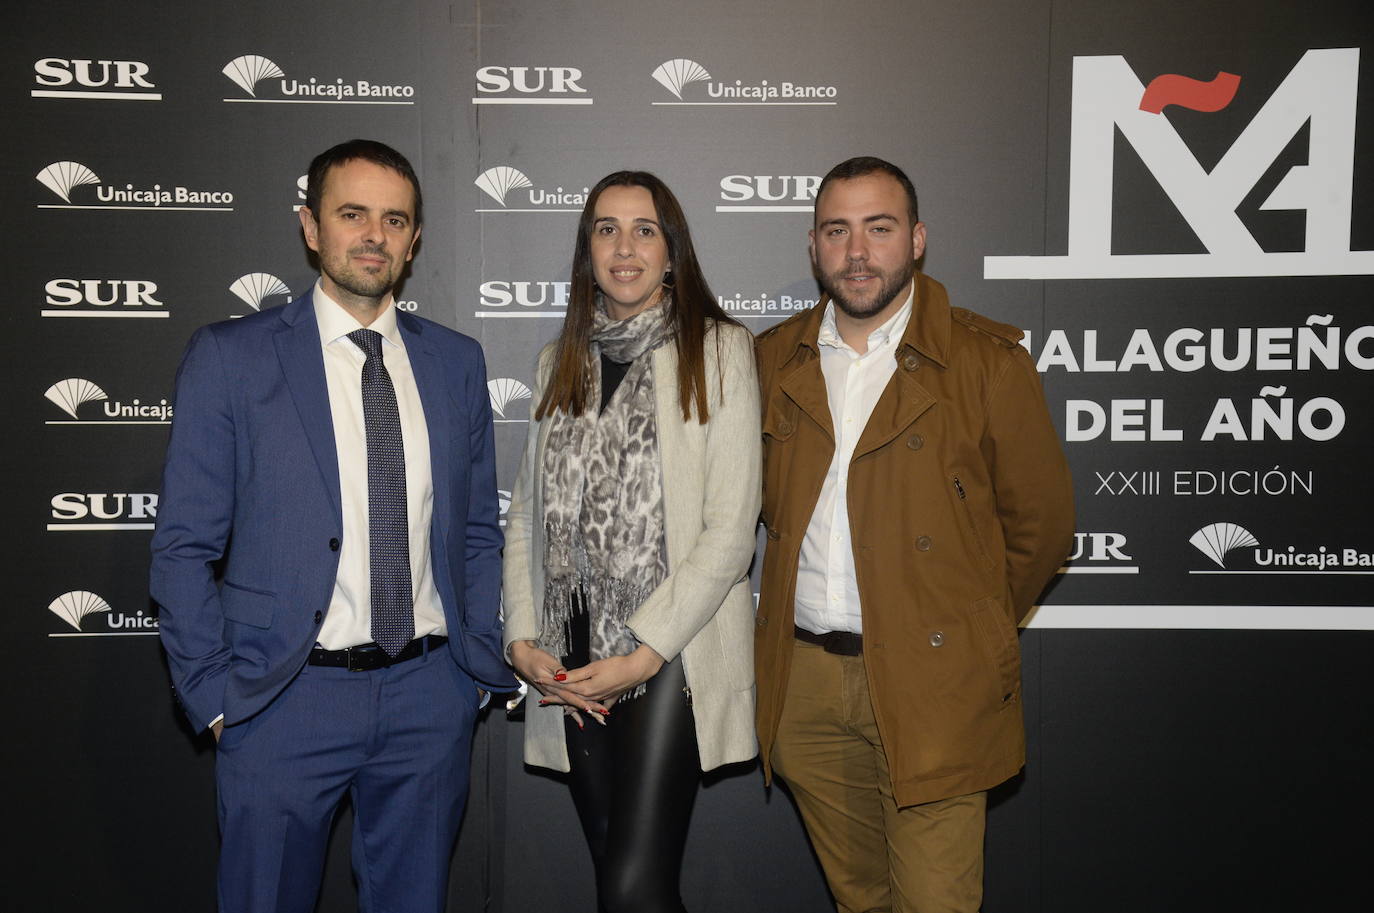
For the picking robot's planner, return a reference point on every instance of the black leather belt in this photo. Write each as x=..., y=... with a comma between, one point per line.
x=366, y=657
x=841, y=643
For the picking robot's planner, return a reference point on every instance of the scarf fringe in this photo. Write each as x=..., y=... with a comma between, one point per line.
x=617, y=598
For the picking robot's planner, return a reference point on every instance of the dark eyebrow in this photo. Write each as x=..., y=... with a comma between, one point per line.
x=867, y=220
x=640, y=221
x=359, y=207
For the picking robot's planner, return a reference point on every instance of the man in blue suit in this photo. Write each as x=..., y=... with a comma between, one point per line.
x=327, y=560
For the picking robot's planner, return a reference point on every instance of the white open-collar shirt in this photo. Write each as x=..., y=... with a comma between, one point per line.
x=827, y=590
x=348, y=622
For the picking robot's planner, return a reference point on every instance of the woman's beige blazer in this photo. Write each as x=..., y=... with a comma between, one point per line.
x=704, y=610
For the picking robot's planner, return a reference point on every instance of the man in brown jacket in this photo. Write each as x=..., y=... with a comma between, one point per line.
x=916, y=500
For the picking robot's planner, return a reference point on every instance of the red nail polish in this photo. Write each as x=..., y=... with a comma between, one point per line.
x=561, y=677
x=543, y=703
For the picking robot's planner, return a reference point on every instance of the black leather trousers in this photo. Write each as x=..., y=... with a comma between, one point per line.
x=634, y=781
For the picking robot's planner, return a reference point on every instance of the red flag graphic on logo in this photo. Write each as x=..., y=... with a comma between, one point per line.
x=1193, y=94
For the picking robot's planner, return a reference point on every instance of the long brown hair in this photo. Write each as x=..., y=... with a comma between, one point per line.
x=693, y=305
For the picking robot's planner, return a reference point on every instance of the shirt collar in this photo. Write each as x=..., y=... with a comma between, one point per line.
x=336, y=323
x=892, y=328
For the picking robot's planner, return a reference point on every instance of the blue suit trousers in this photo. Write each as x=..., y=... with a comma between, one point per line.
x=396, y=740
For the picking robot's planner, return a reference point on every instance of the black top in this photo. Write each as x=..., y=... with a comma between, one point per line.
x=612, y=373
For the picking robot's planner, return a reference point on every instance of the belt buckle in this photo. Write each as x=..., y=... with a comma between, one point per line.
x=349, y=654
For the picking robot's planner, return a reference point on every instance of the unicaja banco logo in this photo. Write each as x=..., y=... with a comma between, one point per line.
x=68, y=395
x=504, y=392
x=1216, y=540
x=1318, y=95
x=676, y=74
x=71, y=394
x=74, y=606
x=66, y=177
x=255, y=288
x=250, y=69
x=500, y=181
x=680, y=76
x=265, y=82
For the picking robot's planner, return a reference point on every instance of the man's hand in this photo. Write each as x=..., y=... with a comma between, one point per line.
x=217, y=729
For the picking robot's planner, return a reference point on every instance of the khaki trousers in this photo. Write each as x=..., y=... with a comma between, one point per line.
x=878, y=858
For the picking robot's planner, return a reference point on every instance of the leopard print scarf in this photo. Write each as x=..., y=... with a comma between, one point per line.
x=603, y=494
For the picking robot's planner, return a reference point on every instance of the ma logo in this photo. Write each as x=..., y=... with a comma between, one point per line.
x=1107, y=96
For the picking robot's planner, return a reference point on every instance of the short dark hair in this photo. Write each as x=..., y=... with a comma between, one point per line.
x=863, y=165
x=369, y=151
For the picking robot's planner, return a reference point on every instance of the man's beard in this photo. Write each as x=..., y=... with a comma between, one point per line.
x=892, y=284
x=361, y=282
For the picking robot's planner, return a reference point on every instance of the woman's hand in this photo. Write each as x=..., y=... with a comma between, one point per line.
x=543, y=670
x=605, y=680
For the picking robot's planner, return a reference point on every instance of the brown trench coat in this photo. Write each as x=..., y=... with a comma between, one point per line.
x=960, y=508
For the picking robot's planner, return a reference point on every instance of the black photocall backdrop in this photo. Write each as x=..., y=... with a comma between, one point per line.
x=1195, y=286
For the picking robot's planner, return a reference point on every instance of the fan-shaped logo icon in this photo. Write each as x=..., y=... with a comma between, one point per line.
x=63, y=177
x=253, y=288
x=1216, y=540
x=504, y=391
x=74, y=606
x=498, y=181
x=69, y=394
x=677, y=73
x=248, y=70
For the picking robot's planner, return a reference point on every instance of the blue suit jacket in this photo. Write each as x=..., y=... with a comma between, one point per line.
x=252, y=482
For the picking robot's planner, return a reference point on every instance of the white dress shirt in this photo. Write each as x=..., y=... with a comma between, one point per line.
x=349, y=619
x=827, y=590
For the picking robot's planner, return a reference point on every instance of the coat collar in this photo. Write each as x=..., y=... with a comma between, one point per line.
x=928, y=331
x=904, y=399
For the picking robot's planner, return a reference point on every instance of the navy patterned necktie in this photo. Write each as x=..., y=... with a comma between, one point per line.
x=388, y=532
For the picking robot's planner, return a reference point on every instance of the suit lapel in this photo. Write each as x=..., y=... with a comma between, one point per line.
x=437, y=402
x=302, y=364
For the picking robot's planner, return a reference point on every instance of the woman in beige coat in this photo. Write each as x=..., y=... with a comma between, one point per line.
x=629, y=538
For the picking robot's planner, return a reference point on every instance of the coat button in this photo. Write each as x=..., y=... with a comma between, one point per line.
x=773, y=533
x=760, y=621
x=937, y=638
x=784, y=427
x=910, y=361
x=319, y=617
x=915, y=442
x=923, y=544
x=333, y=545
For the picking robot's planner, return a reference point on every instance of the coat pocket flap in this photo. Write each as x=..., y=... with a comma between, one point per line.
x=247, y=606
